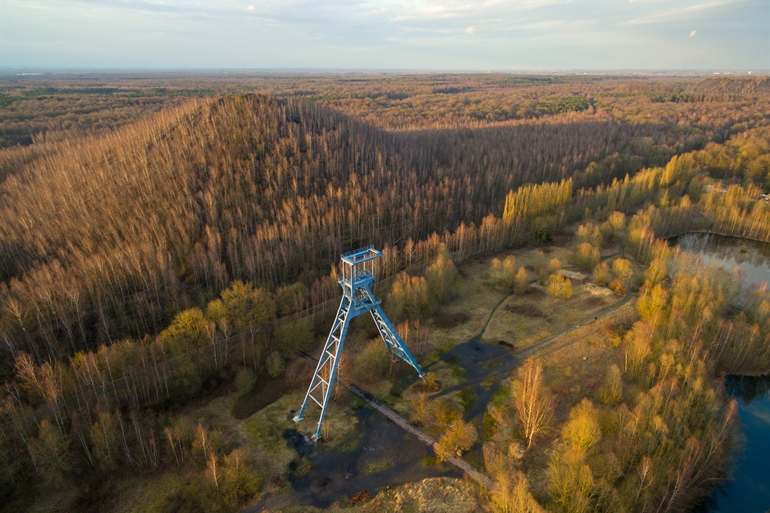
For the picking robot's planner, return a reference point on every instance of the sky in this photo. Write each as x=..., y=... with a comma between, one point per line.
x=449, y=35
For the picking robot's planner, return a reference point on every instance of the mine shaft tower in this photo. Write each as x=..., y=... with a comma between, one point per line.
x=357, y=299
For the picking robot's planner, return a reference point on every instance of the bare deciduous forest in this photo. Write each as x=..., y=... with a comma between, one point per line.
x=164, y=236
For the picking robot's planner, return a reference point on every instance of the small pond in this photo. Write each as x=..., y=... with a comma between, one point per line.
x=751, y=257
x=749, y=489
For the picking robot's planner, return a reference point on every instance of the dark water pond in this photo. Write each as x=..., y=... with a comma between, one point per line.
x=749, y=489
x=752, y=258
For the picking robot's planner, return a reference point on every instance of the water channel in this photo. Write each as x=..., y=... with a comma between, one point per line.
x=749, y=489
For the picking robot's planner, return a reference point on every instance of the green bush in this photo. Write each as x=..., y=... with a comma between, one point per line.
x=184, y=500
x=274, y=364
x=245, y=380
x=542, y=228
x=442, y=277
x=586, y=256
x=409, y=298
x=298, y=334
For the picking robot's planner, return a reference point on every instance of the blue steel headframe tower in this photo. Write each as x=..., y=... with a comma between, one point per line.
x=357, y=299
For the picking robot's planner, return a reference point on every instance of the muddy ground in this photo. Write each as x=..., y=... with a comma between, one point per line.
x=375, y=456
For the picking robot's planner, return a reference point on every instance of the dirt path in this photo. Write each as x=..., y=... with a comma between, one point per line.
x=526, y=353
x=422, y=436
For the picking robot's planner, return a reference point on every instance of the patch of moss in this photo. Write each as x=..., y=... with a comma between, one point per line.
x=489, y=426
x=489, y=382
x=442, y=349
x=467, y=397
x=373, y=467
x=500, y=397
x=350, y=442
x=429, y=461
x=458, y=372
x=264, y=393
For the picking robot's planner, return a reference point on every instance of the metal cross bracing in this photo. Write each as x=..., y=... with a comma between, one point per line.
x=357, y=298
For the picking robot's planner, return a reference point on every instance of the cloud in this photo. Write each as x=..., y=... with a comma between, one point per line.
x=445, y=34
x=683, y=13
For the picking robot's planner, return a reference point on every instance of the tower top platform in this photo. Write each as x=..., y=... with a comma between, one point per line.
x=359, y=256
x=358, y=268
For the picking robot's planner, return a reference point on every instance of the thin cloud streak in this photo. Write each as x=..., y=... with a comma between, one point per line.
x=683, y=13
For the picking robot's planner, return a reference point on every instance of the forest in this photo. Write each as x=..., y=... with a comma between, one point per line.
x=167, y=238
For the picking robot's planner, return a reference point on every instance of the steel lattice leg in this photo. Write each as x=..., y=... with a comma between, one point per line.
x=394, y=343
x=325, y=374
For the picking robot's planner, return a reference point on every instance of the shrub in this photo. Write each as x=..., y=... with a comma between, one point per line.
x=372, y=363
x=291, y=299
x=298, y=333
x=504, y=272
x=566, y=291
x=186, y=499
x=618, y=287
x=582, y=431
x=554, y=265
x=602, y=274
x=612, y=390
x=586, y=256
x=274, y=364
x=431, y=382
x=542, y=228
x=245, y=380
x=408, y=297
x=458, y=438
x=442, y=277
x=622, y=269
x=299, y=372
x=239, y=482
x=559, y=286
x=419, y=408
x=521, y=281
x=444, y=411
x=589, y=233
x=613, y=228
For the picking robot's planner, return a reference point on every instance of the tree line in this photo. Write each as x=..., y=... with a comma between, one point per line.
x=266, y=191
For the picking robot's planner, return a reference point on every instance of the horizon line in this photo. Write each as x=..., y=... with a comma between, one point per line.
x=36, y=70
